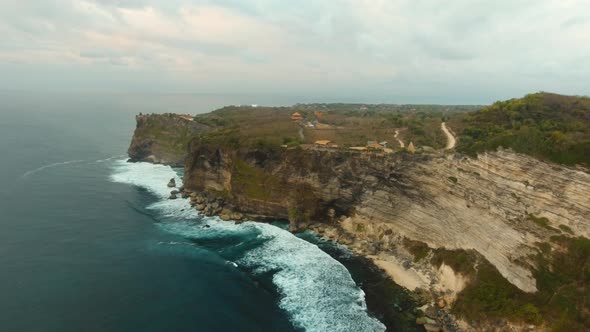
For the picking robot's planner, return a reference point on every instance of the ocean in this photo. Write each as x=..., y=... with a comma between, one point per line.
x=89, y=242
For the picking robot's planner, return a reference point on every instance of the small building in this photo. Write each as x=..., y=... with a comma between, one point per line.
x=322, y=142
x=296, y=116
x=383, y=144
x=186, y=117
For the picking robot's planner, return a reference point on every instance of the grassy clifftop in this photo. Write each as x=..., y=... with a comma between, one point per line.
x=342, y=124
x=163, y=138
x=545, y=125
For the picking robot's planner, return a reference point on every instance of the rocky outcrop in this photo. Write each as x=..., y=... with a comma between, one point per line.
x=163, y=138
x=443, y=200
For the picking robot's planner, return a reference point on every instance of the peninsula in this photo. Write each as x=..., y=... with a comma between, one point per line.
x=482, y=212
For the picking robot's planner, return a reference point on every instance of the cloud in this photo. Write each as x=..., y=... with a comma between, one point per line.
x=464, y=50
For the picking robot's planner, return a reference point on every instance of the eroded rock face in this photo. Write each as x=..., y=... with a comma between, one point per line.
x=442, y=200
x=162, y=138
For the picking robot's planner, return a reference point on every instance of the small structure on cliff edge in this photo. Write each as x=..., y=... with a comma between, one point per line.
x=186, y=117
x=411, y=148
x=296, y=116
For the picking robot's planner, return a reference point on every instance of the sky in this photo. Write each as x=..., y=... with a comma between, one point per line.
x=421, y=51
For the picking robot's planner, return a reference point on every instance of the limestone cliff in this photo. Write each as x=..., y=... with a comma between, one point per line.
x=163, y=138
x=508, y=208
x=446, y=201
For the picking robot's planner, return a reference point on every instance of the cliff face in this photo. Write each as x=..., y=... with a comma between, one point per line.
x=488, y=204
x=162, y=138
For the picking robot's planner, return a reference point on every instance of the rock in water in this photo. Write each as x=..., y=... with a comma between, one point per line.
x=172, y=183
x=172, y=196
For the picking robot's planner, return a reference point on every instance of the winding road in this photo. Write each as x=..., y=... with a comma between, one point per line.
x=451, y=141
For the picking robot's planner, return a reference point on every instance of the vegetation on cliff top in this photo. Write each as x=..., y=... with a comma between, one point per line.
x=562, y=273
x=342, y=124
x=547, y=126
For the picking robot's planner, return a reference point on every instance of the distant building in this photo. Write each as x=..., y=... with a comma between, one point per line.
x=383, y=144
x=296, y=116
x=186, y=117
x=322, y=142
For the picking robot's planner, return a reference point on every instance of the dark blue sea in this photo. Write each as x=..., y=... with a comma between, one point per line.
x=89, y=242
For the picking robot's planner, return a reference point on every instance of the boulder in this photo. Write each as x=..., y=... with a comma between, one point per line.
x=237, y=216
x=201, y=207
x=431, y=312
x=172, y=196
x=185, y=194
x=442, y=303
x=225, y=214
x=172, y=183
x=174, y=192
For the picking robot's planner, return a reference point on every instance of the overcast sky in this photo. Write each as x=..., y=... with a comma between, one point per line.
x=469, y=51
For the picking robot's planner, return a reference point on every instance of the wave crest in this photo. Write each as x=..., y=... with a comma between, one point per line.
x=316, y=290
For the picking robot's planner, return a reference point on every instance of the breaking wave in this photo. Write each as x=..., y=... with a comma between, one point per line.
x=316, y=290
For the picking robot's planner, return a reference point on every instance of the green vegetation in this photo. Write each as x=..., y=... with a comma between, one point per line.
x=170, y=134
x=541, y=221
x=566, y=229
x=419, y=249
x=461, y=261
x=543, y=125
x=562, y=274
x=453, y=179
x=253, y=181
x=345, y=125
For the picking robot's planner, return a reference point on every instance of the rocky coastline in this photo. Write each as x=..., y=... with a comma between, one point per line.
x=426, y=311
x=403, y=212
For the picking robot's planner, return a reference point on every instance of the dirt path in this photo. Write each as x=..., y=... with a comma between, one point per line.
x=451, y=141
x=401, y=144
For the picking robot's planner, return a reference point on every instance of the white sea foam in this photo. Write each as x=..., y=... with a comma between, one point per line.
x=316, y=290
x=31, y=172
x=109, y=159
